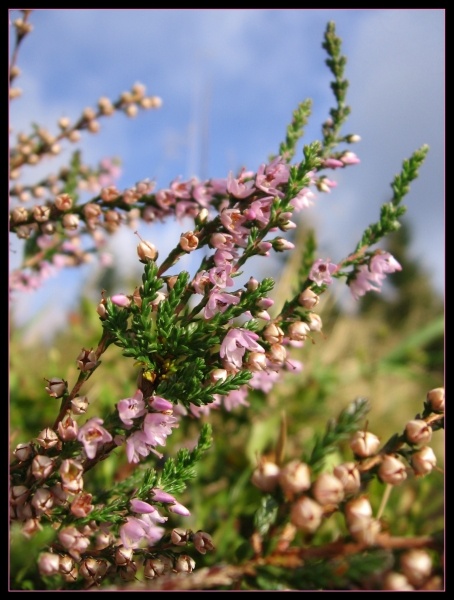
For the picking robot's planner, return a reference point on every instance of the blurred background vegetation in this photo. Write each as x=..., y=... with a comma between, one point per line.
x=390, y=351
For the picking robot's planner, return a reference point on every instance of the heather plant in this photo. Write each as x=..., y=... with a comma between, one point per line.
x=121, y=484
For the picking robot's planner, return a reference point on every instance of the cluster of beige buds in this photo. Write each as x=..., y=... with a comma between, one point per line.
x=313, y=499
x=31, y=149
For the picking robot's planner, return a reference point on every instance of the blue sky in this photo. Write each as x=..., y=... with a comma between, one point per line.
x=230, y=80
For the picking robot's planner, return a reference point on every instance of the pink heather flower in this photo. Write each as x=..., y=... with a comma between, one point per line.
x=383, y=262
x=221, y=257
x=349, y=158
x=162, y=405
x=141, y=507
x=200, y=281
x=236, y=398
x=233, y=221
x=364, y=282
x=222, y=241
x=332, y=163
x=238, y=187
x=157, y=426
x=259, y=210
x=93, y=435
x=218, y=302
x=131, y=408
x=121, y=300
x=179, y=509
x=143, y=529
x=220, y=276
x=176, y=507
x=161, y=496
x=204, y=410
x=264, y=380
x=321, y=271
x=235, y=344
x=136, y=446
x=270, y=176
x=371, y=277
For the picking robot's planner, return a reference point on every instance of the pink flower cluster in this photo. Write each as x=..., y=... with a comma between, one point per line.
x=154, y=429
x=370, y=277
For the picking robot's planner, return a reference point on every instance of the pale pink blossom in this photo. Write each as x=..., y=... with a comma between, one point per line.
x=93, y=435
x=383, y=262
x=131, y=408
x=137, y=446
x=157, y=426
x=218, y=302
x=235, y=344
x=239, y=188
x=321, y=271
x=236, y=398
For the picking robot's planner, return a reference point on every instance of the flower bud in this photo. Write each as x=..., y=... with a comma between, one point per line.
x=93, y=569
x=295, y=477
x=202, y=542
x=277, y=354
x=218, y=375
x=306, y=514
x=364, y=444
x=123, y=556
x=418, y=432
x=87, y=360
x=128, y=572
x=358, y=508
x=273, y=334
x=256, y=361
x=184, y=564
x=416, y=565
x=396, y=582
x=179, y=537
x=265, y=476
x=436, y=399
x=154, y=567
x=189, y=241
x=146, y=251
x=315, y=322
x=63, y=202
x=48, y=563
x=47, y=438
x=41, y=214
x=42, y=501
x=66, y=565
x=252, y=284
x=364, y=530
x=30, y=527
x=57, y=387
x=23, y=451
x=70, y=222
x=42, y=466
x=19, y=494
x=81, y=506
x=392, y=470
x=298, y=331
x=349, y=476
x=19, y=215
x=79, y=405
x=281, y=244
x=328, y=489
x=67, y=428
x=423, y=461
